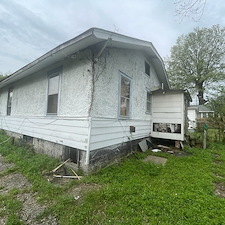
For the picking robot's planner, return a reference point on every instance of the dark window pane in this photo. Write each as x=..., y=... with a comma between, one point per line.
x=148, y=96
x=147, y=68
x=148, y=106
x=9, y=102
x=52, y=103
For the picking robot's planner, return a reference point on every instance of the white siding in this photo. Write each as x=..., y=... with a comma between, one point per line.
x=106, y=132
x=29, y=105
x=66, y=131
x=168, y=108
x=192, y=115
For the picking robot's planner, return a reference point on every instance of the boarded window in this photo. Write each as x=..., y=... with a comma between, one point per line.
x=167, y=127
x=9, y=101
x=125, y=96
x=53, y=92
x=148, y=102
x=147, y=68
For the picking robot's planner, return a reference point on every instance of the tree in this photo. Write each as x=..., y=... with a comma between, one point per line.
x=2, y=77
x=197, y=61
x=187, y=8
x=217, y=104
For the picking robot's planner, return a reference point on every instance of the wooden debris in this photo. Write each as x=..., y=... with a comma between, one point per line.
x=70, y=177
x=54, y=170
x=75, y=174
x=163, y=147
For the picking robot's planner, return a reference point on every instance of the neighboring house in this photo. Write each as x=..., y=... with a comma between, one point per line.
x=92, y=99
x=197, y=112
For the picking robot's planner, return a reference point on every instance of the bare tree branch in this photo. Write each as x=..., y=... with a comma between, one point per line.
x=189, y=8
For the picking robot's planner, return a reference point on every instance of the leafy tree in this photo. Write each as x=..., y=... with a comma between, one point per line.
x=217, y=103
x=197, y=60
x=1, y=77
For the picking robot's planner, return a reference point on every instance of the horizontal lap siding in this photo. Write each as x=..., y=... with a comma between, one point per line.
x=107, y=132
x=69, y=132
x=168, y=108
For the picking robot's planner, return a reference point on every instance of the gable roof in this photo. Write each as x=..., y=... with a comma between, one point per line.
x=88, y=38
x=200, y=108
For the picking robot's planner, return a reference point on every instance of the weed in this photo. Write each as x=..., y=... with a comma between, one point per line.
x=131, y=192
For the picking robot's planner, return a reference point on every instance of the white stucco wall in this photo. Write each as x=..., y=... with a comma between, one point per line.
x=132, y=64
x=107, y=127
x=71, y=125
x=30, y=94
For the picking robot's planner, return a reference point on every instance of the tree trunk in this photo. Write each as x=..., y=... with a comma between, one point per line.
x=201, y=100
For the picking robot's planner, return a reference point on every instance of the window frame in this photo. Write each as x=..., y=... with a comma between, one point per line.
x=124, y=76
x=147, y=65
x=148, y=102
x=52, y=74
x=9, y=102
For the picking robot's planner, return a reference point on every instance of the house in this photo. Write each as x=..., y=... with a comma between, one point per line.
x=197, y=112
x=92, y=99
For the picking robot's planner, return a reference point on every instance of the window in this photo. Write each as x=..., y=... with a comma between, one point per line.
x=125, y=96
x=147, y=68
x=9, y=102
x=53, y=92
x=148, y=102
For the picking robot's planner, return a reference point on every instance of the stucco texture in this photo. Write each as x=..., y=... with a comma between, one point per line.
x=111, y=65
x=30, y=94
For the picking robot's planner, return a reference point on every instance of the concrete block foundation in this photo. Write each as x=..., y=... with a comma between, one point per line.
x=98, y=158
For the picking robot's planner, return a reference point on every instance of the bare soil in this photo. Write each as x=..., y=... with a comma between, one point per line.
x=220, y=190
x=31, y=209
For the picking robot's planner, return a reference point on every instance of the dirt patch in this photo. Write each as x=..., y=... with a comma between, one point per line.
x=31, y=209
x=218, y=162
x=12, y=181
x=3, y=165
x=218, y=176
x=2, y=221
x=216, y=155
x=220, y=190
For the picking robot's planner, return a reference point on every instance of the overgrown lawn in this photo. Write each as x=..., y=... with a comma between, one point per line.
x=131, y=192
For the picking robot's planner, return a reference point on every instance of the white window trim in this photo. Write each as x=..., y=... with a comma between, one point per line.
x=148, y=75
x=8, y=98
x=121, y=74
x=50, y=74
x=147, y=111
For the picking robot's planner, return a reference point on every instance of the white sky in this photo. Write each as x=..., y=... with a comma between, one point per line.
x=30, y=28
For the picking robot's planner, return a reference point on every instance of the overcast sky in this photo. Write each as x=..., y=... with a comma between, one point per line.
x=30, y=28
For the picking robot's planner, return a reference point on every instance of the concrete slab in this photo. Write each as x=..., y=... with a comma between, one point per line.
x=155, y=159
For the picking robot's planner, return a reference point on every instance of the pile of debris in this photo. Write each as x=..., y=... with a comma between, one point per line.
x=64, y=170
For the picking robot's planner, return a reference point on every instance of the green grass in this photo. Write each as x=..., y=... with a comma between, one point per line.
x=131, y=192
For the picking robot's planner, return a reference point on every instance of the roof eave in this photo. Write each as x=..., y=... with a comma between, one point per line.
x=84, y=40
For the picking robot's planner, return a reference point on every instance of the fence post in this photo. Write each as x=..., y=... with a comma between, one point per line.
x=206, y=127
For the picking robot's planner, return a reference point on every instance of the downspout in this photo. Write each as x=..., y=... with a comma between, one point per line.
x=94, y=61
